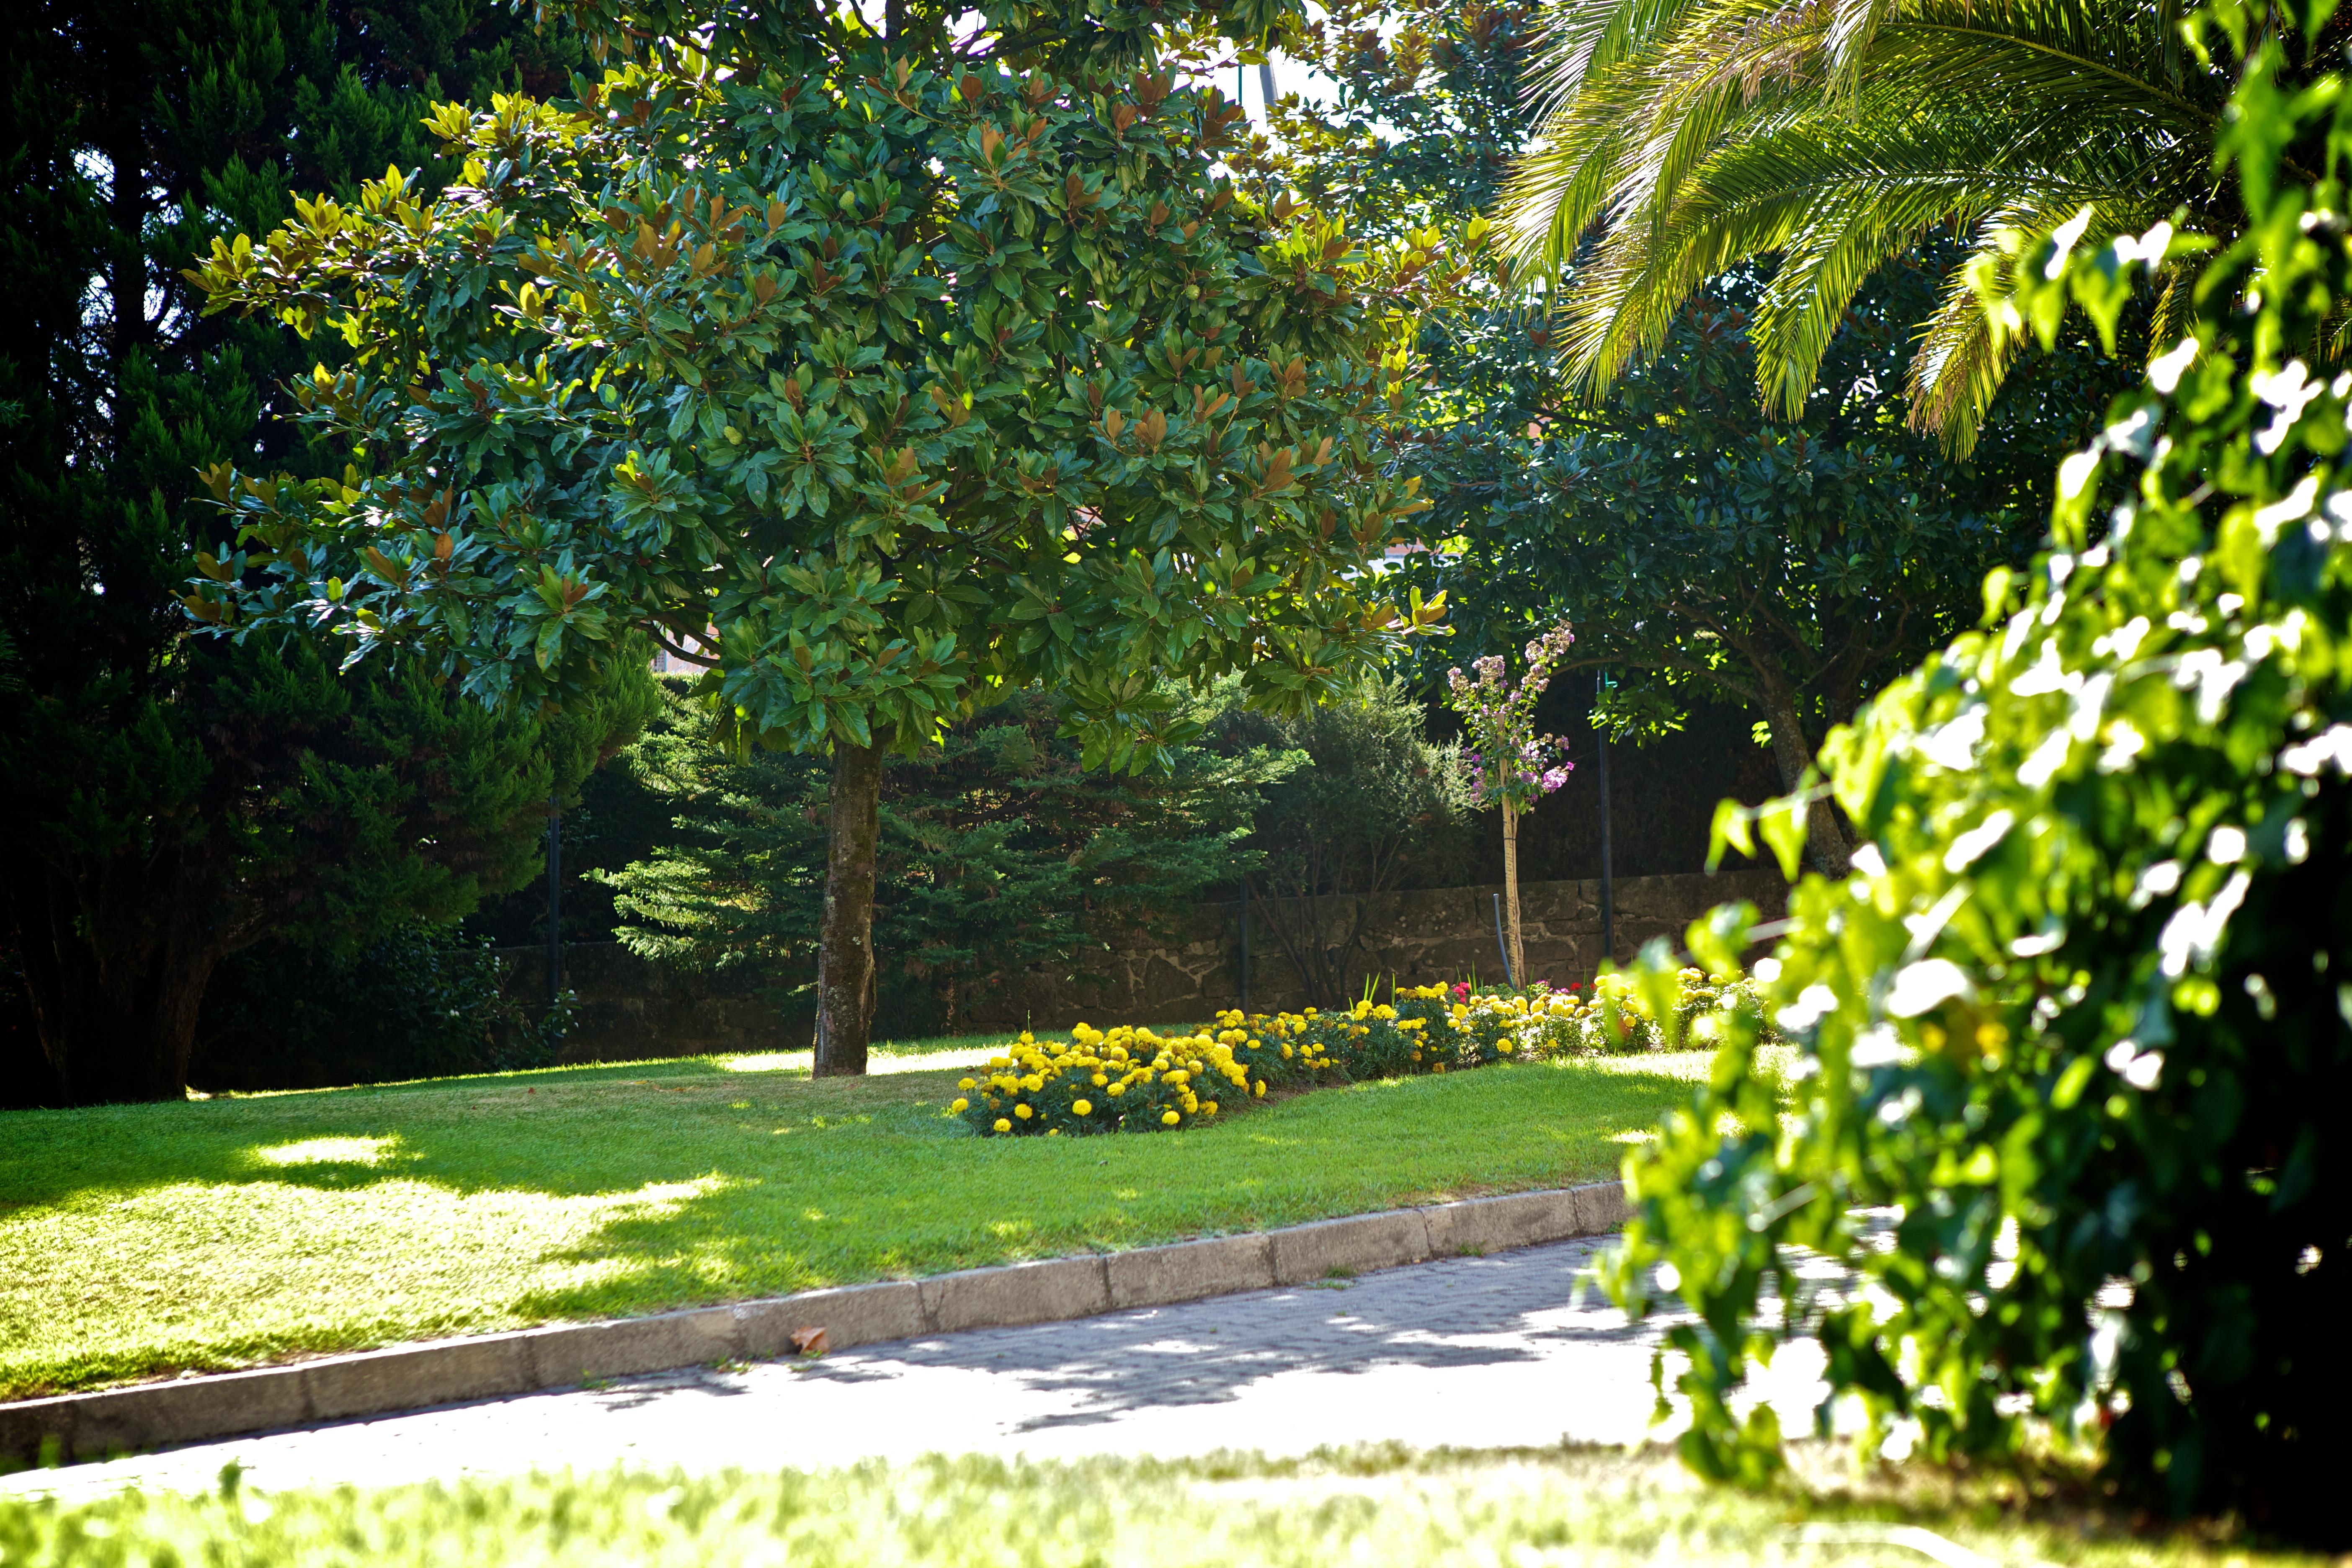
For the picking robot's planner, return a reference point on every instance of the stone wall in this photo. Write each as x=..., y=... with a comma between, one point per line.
x=632, y=1007
x=1445, y=933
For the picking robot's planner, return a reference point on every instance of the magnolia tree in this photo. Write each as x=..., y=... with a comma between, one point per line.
x=1511, y=766
x=877, y=370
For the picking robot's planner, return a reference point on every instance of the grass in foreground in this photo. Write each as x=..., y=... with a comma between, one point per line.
x=143, y=1240
x=1367, y=1508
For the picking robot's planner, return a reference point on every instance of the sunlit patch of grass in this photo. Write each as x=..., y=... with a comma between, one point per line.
x=143, y=1241
x=1374, y=1508
x=330, y=1151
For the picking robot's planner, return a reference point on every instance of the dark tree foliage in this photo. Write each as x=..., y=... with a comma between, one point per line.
x=1358, y=802
x=171, y=801
x=420, y=1001
x=1000, y=857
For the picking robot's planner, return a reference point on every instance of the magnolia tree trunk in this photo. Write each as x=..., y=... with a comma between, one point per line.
x=1826, y=845
x=1518, y=976
x=844, y=959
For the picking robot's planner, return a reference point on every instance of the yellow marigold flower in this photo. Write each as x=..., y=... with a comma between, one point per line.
x=1023, y=1112
x=1258, y=1088
x=1101, y=1079
x=1210, y=1106
x=1002, y=1125
x=960, y=1104
x=1169, y=1119
x=1117, y=1089
x=1285, y=1053
x=966, y=1083
x=1083, y=1107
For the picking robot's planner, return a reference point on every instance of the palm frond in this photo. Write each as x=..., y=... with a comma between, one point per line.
x=1687, y=136
x=1958, y=368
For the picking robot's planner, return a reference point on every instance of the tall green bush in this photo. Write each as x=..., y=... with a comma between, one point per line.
x=2081, y=1019
x=420, y=1002
x=1354, y=800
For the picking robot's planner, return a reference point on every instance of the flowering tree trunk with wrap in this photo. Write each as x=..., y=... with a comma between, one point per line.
x=1512, y=766
x=876, y=374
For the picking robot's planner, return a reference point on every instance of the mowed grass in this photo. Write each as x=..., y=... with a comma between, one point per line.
x=139, y=1241
x=1370, y=1509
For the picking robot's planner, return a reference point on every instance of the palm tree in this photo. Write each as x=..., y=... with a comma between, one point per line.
x=1683, y=137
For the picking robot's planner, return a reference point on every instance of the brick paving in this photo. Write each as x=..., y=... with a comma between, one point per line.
x=1516, y=1349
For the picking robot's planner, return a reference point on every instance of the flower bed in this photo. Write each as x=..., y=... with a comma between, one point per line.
x=1131, y=1080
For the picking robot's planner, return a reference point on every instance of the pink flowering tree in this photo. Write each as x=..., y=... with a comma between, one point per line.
x=1511, y=765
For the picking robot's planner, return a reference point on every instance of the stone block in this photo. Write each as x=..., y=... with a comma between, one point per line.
x=853, y=1315
x=27, y=1423
x=1021, y=1293
x=1154, y=1276
x=413, y=1376
x=562, y=1357
x=1600, y=1207
x=185, y=1409
x=1359, y=1245
x=1497, y=1225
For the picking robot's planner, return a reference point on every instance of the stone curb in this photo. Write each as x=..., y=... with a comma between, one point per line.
x=485, y=1366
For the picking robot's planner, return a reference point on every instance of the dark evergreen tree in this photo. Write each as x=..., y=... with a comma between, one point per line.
x=999, y=854
x=170, y=799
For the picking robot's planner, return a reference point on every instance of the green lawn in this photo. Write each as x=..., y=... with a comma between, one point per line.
x=1367, y=1508
x=142, y=1240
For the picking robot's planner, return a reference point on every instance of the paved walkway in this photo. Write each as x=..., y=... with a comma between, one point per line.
x=1518, y=1350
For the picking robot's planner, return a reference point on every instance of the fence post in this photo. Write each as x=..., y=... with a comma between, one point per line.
x=1245, y=903
x=1510, y=978
x=555, y=900
x=1607, y=888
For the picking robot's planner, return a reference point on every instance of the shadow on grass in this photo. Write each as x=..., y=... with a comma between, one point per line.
x=570, y=1132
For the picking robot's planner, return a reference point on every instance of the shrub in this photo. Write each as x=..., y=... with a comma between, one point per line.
x=422, y=1002
x=1353, y=799
x=1539, y=1022
x=2078, y=1020
x=1128, y=1080
x=1133, y=1080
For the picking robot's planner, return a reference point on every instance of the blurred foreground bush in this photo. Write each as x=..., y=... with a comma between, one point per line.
x=2079, y=1018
